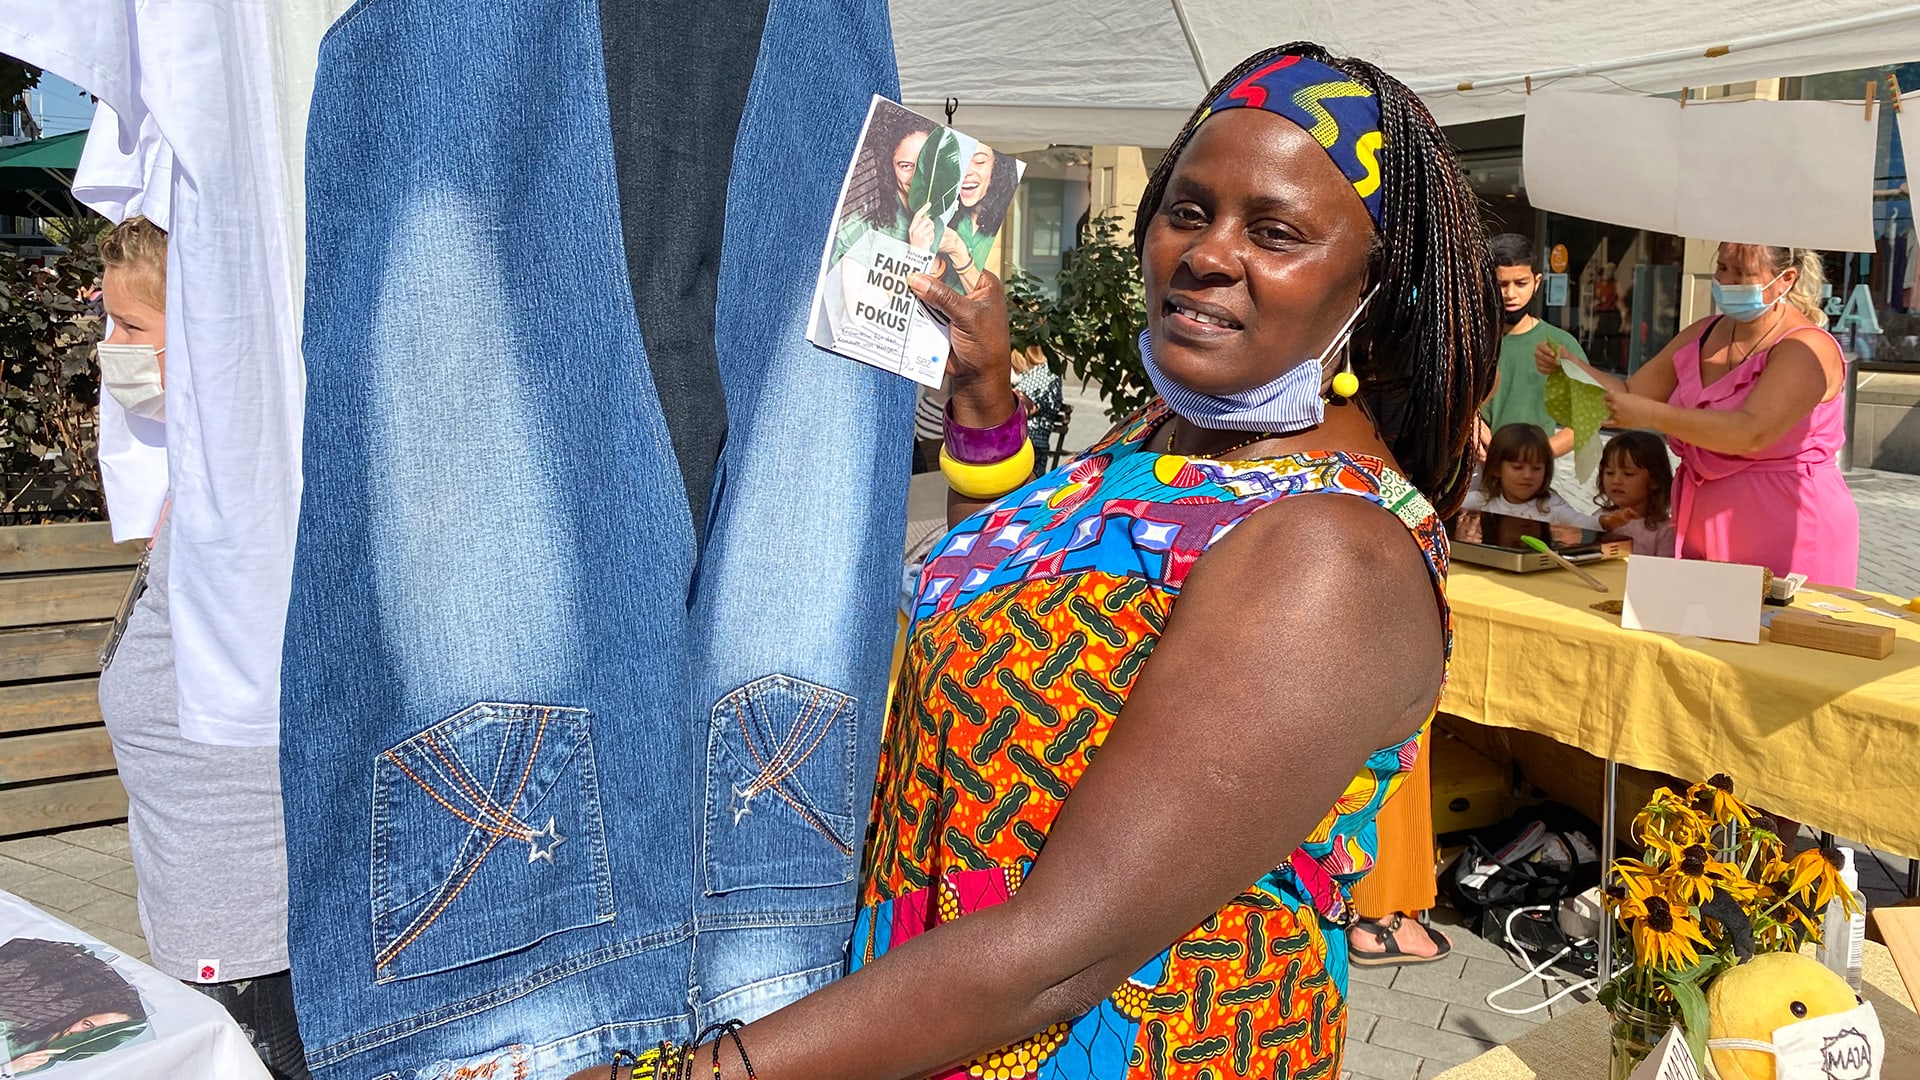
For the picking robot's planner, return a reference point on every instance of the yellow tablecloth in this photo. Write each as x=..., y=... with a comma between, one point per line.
x=1828, y=739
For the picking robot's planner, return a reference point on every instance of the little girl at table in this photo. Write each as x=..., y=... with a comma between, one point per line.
x=1636, y=491
x=1517, y=480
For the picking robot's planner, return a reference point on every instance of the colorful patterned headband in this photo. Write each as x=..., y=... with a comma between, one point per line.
x=1340, y=113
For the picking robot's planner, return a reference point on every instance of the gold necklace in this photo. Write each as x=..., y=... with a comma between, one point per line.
x=1218, y=454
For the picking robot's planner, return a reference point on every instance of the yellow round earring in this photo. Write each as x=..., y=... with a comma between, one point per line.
x=1346, y=384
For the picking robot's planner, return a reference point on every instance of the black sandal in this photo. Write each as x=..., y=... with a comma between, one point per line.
x=1390, y=954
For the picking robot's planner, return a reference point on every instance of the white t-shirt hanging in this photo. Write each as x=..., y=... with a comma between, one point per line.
x=200, y=79
x=122, y=182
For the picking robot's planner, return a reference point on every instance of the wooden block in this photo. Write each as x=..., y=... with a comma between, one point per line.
x=52, y=651
x=1811, y=631
x=37, y=807
x=65, y=703
x=38, y=599
x=54, y=754
x=1899, y=927
x=29, y=548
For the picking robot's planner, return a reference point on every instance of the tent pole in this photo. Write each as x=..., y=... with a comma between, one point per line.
x=1193, y=46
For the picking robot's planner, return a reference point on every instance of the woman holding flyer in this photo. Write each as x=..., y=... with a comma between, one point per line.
x=1089, y=864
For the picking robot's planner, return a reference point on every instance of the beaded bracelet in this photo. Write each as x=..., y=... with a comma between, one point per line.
x=670, y=1062
x=664, y=1062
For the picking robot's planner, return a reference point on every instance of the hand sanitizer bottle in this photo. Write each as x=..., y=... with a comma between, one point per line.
x=1843, y=937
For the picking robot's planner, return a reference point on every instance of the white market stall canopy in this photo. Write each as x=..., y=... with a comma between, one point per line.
x=1032, y=72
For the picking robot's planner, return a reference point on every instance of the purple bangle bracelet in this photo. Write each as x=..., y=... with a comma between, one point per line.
x=985, y=446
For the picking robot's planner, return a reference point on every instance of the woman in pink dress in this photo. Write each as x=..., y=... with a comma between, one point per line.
x=1751, y=401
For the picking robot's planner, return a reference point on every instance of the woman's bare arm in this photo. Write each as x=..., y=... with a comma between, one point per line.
x=1263, y=673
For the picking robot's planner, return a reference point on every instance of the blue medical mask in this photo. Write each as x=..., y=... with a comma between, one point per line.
x=1295, y=401
x=1743, y=303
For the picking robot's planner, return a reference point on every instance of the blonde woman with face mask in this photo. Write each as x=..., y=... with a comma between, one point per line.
x=204, y=821
x=1750, y=399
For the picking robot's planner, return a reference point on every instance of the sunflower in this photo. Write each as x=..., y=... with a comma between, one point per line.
x=1715, y=801
x=1667, y=936
x=1816, y=875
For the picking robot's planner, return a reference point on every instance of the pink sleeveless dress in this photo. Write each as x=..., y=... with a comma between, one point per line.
x=1787, y=507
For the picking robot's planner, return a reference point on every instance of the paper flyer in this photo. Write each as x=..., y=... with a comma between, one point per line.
x=919, y=197
x=62, y=1003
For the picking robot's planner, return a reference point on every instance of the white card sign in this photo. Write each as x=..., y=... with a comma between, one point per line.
x=1556, y=288
x=1693, y=597
x=1670, y=1060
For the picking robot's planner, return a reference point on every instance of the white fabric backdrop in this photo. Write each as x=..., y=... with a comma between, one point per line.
x=1123, y=71
x=1796, y=173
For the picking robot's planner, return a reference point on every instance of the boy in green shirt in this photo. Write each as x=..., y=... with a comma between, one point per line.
x=1520, y=391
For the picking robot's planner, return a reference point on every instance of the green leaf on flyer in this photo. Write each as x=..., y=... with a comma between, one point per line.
x=936, y=179
x=95, y=1041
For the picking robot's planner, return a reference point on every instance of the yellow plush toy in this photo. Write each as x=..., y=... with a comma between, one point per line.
x=1767, y=993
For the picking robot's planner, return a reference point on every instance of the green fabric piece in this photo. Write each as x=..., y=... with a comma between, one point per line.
x=1520, y=398
x=1575, y=401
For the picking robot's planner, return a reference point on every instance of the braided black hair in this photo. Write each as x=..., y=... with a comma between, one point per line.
x=1427, y=348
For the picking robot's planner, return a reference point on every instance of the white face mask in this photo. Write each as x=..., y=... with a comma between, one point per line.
x=1843, y=1046
x=131, y=373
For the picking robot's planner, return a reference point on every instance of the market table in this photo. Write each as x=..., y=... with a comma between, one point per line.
x=1574, y=1046
x=1827, y=739
x=54, y=978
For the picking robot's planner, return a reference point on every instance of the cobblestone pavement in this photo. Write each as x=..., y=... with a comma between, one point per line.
x=83, y=877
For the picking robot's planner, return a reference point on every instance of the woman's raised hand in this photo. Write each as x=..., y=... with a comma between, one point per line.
x=981, y=360
x=920, y=231
x=1546, y=357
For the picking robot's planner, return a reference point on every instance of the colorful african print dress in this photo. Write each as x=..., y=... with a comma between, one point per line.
x=1033, y=621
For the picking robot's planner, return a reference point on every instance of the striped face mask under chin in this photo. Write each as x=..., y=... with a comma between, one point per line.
x=1295, y=401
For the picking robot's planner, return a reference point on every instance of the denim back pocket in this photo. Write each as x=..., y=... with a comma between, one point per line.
x=486, y=839
x=780, y=787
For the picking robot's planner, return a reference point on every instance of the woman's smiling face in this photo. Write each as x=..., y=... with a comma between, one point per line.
x=979, y=175
x=1258, y=254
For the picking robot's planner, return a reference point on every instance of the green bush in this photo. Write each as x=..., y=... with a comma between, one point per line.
x=49, y=434
x=1092, y=329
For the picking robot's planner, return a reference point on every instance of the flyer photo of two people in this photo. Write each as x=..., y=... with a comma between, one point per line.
x=62, y=1002
x=919, y=197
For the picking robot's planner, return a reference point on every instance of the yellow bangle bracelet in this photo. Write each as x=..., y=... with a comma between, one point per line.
x=988, y=481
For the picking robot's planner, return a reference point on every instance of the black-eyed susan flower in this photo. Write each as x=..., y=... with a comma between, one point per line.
x=1668, y=823
x=1623, y=903
x=1715, y=801
x=1638, y=878
x=1693, y=875
x=1667, y=936
x=1816, y=877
